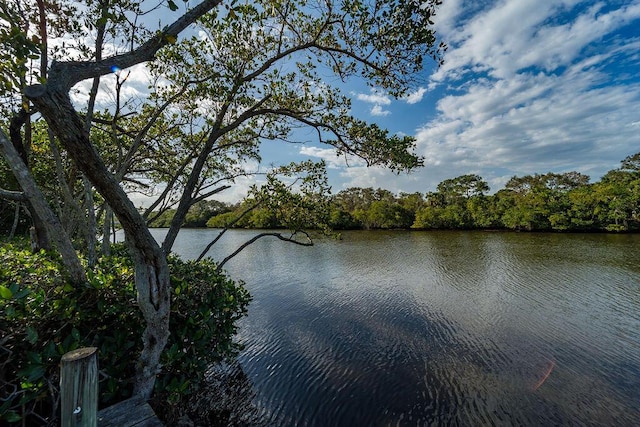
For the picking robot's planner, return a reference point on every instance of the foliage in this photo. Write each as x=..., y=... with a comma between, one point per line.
x=197, y=215
x=558, y=202
x=548, y=202
x=42, y=317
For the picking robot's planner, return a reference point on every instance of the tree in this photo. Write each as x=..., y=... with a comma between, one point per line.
x=388, y=215
x=258, y=68
x=455, y=204
x=429, y=217
x=631, y=164
x=464, y=186
x=540, y=202
x=583, y=207
x=411, y=201
x=484, y=212
x=197, y=216
x=618, y=196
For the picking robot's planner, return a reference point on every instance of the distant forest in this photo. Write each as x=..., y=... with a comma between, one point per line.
x=548, y=202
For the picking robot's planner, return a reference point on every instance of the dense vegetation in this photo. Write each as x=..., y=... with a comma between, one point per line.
x=560, y=202
x=42, y=316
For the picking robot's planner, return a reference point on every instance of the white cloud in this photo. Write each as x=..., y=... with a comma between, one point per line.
x=135, y=87
x=446, y=15
x=514, y=35
x=331, y=158
x=377, y=110
x=380, y=177
x=374, y=97
x=532, y=124
x=364, y=177
x=239, y=190
x=415, y=97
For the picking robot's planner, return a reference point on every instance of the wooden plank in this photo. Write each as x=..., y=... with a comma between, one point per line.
x=79, y=388
x=129, y=413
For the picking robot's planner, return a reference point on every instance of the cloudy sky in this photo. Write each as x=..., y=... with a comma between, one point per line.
x=528, y=86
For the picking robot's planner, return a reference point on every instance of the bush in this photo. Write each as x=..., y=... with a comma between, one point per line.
x=42, y=317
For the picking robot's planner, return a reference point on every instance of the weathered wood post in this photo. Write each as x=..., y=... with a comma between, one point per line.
x=79, y=388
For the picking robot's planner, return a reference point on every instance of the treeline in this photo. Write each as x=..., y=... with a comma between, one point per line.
x=540, y=202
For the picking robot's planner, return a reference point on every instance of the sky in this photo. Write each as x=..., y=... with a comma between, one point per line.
x=527, y=87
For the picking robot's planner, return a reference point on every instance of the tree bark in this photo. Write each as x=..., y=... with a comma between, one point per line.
x=16, y=220
x=106, y=231
x=39, y=235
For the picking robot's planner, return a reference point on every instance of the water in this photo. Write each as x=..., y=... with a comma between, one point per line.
x=440, y=328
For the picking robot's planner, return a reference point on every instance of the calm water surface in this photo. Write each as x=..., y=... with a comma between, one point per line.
x=432, y=328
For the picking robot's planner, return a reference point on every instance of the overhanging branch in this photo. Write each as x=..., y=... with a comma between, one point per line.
x=290, y=239
x=66, y=74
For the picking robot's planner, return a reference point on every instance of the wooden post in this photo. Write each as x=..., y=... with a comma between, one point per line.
x=79, y=388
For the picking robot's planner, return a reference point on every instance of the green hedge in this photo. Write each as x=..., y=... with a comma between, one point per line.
x=42, y=317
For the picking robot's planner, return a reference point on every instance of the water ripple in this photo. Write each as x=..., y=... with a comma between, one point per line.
x=405, y=329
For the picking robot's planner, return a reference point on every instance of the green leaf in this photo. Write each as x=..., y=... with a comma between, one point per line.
x=11, y=417
x=35, y=372
x=23, y=293
x=173, y=6
x=5, y=292
x=34, y=357
x=32, y=335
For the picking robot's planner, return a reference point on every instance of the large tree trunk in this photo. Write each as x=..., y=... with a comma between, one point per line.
x=152, y=282
x=152, y=271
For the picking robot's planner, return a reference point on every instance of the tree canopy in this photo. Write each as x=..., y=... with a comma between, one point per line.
x=539, y=202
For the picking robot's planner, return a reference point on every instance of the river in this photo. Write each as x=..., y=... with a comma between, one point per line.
x=439, y=328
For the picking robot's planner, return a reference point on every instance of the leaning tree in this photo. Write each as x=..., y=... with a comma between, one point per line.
x=240, y=73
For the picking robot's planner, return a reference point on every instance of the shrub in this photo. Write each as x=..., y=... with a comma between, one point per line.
x=42, y=317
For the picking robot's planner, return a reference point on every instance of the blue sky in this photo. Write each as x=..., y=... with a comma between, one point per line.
x=528, y=86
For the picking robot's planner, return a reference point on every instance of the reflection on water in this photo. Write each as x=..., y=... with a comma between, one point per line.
x=466, y=328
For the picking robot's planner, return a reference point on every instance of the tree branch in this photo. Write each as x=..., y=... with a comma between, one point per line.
x=66, y=74
x=15, y=196
x=273, y=234
x=210, y=193
x=227, y=227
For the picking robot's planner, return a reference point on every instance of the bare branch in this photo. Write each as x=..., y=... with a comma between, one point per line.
x=168, y=187
x=231, y=224
x=14, y=196
x=290, y=239
x=210, y=193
